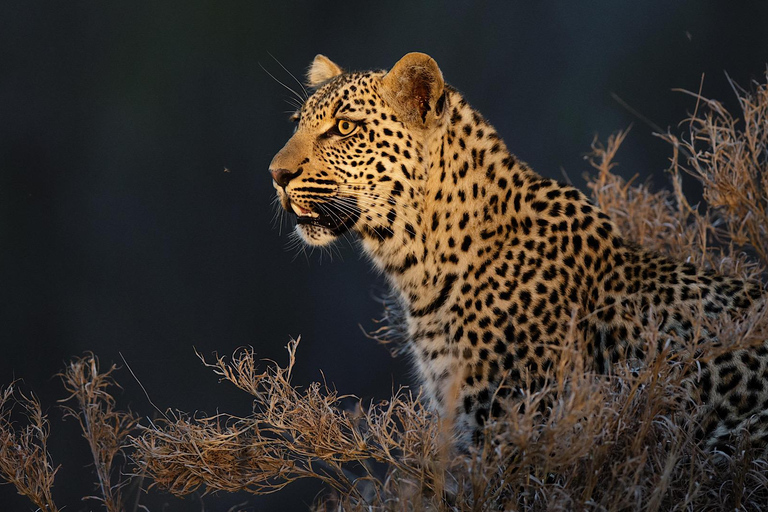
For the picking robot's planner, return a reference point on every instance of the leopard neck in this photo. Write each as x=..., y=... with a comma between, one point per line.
x=454, y=198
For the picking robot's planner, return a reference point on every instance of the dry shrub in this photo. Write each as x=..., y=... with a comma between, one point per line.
x=292, y=434
x=24, y=458
x=620, y=442
x=728, y=155
x=105, y=428
x=608, y=443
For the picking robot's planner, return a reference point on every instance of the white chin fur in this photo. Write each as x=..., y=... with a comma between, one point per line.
x=315, y=235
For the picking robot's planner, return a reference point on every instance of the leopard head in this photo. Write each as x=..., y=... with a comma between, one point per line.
x=356, y=156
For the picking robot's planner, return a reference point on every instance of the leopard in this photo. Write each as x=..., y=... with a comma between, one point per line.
x=488, y=261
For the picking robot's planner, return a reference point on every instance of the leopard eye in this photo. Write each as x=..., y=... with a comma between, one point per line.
x=345, y=127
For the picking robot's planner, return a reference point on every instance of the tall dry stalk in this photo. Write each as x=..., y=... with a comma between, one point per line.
x=105, y=428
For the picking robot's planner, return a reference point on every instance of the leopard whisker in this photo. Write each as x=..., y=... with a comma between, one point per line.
x=370, y=195
x=304, y=90
x=302, y=100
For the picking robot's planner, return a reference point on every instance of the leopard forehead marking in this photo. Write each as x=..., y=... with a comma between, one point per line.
x=346, y=91
x=487, y=260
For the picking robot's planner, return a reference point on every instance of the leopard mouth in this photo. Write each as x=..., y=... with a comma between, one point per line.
x=303, y=212
x=327, y=216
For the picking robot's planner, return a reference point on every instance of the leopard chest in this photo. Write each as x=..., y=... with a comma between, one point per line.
x=501, y=320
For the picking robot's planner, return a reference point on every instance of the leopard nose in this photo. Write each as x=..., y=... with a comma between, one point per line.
x=283, y=176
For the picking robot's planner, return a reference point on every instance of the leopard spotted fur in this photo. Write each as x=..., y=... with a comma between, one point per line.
x=487, y=259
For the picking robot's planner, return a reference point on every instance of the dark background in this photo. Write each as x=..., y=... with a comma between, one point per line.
x=121, y=233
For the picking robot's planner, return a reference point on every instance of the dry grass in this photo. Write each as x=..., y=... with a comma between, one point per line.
x=292, y=434
x=618, y=443
x=728, y=155
x=104, y=428
x=624, y=443
x=24, y=458
x=606, y=443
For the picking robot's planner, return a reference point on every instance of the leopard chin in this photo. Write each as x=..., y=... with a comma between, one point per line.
x=314, y=235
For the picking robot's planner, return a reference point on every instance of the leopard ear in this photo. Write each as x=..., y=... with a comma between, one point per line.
x=414, y=87
x=322, y=69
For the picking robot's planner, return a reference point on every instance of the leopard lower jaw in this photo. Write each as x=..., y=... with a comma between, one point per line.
x=314, y=235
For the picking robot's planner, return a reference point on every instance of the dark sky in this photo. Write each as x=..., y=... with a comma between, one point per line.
x=120, y=232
